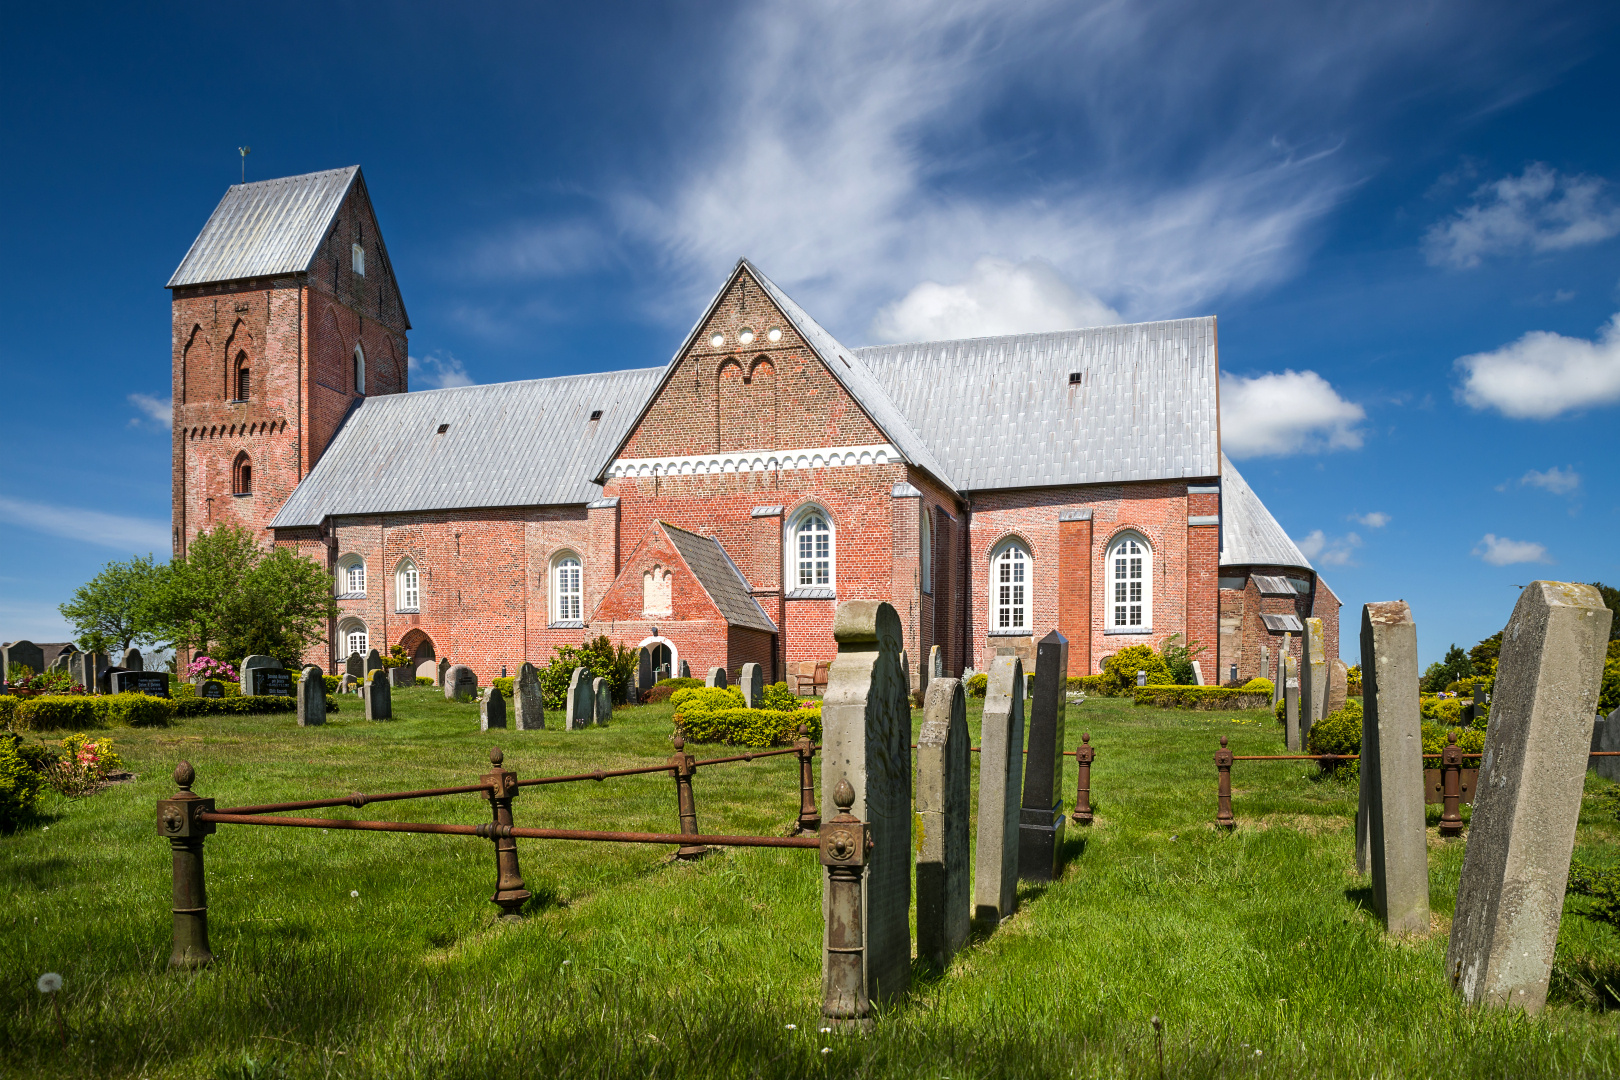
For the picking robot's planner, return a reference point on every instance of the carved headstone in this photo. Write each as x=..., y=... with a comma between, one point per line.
x=528, y=707
x=311, y=697
x=1511, y=893
x=1293, y=731
x=401, y=676
x=374, y=661
x=213, y=690
x=249, y=666
x=943, y=779
x=492, y=709
x=1392, y=768
x=133, y=661
x=644, y=671
x=151, y=683
x=686, y=670
x=378, y=697
x=751, y=681
x=429, y=669
x=64, y=660
x=355, y=665
x=1606, y=737
x=717, y=677
x=460, y=684
x=1338, y=686
x=1001, y=759
x=936, y=662
x=1279, y=679
x=1313, y=679
x=1041, y=817
x=444, y=666
x=91, y=665
x=347, y=683
x=581, y=701
x=866, y=736
x=603, y=695
x=1198, y=673
x=24, y=654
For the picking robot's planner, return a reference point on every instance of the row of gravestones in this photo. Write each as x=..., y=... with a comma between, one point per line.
x=91, y=670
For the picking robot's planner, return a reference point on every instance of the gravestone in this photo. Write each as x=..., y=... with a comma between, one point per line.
x=355, y=665
x=1198, y=674
x=401, y=676
x=311, y=697
x=460, y=684
x=1265, y=665
x=1338, y=686
x=428, y=669
x=1479, y=710
x=77, y=664
x=92, y=664
x=273, y=682
x=347, y=683
x=936, y=662
x=751, y=681
x=151, y=683
x=528, y=707
x=1511, y=892
x=1279, y=678
x=444, y=666
x=644, y=671
x=378, y=697
x=64, y=660
x=1313, y=679
x=866, y=736
x=1041, y=818
x=1293, y=731
x=214, y=689
x=133, y=661
x=603, y=695
x=943, y=780
x=686, y=670
x=717, y=677
x=1001, y=759
x=1606, y=736
x=905, y=666
x=1392, y=768
x=581, y=701
x=374, y=662
x=244, y=672
x=492, y=709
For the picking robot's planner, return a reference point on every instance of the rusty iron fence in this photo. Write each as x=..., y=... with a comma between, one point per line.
x=1084, y=755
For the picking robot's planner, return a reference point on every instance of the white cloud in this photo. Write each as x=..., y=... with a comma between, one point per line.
x=1329, y=551
x=1556, y=480
x=138, y=535
x=1000, y=297
x=1291, y=412
x=1544, y=374
x=1375, y=520
x=158, y=410
x=1537, y=211
x=1500, y=551
x=438, y=372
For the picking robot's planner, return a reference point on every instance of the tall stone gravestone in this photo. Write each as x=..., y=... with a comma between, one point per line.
x=1392, y=768
x=717, y=677
x=133, y=661
x=374, y=662
x=1198, y=673
x=1511, y=893
x=355, y=665
x=492, y=709
x=249, y=665
x=1041, y=818
x=378, y=696
x=866, y=736
x=1338, y=687
x=1606, y=737
x=429, y=670
x=1001, y=759
x=645, y=679
x=602, y=697
x=460, y=684
x=311, y=698
x=24, y=654
x=751, y=681
x=1279, y=681
x=528, y=706
x=1313, y=679
x=1292, y=731
x=905, y=665
x=936, y=662
x=943, y=781
x=63, y=660
x=581, y=701
x=686, y=670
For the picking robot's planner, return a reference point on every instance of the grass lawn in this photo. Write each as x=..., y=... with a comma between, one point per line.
x=1257, y=949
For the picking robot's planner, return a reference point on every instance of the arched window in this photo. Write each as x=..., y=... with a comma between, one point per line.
x=242, y=475
x=812, y=551
x=351, y=576
x=1009, y=590
x=407, y=587
x=1130, y=584
x=352, y=638
x=243, y=384
x=925, y=548
x=359, y=370
x=567, y=589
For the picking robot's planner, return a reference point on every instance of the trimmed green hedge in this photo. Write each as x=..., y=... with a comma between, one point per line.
x=19, y=785
x=1201, y=697
x=244, y=706
x=712, y=714
x=55, y=711
x=504, y=684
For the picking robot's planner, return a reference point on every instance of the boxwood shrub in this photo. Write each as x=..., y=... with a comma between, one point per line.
x=241, y=705
x=55, y=711
x=1201, y=697
x=19, y=786
x=136, y=710
x=712, y=714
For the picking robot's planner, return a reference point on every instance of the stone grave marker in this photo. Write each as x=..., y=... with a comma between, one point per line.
x=1338, y=686
x=132, y=660
x=273, y=682
x=492, y=709
x=1001, y=746
x=936, y=662
x=943, y=780
x=1041, y=817
x=64, y=660
x=374, y=662
x=751, y=681
x=24, y=654
x=686, y=670
x=644, y=671
x=151, y=683
x=1392, y=768
x=866, y=736
x=460, y=684
x=1198, y=673
x=1293, y=730
x=401, y=676
x=443, y=667
x=1606, y=736
x=581, y=701
x=213, y=688
x=355, y=665
x=528, y=707
x=1511, y=893
x=717, y=677
x=1279, y=680
x=311, y=697
x=602, y=694
x=347, y=683
x=1313, y=679
x=905, y=665
x=244, y=671
x=378, y=697
x=428, y=669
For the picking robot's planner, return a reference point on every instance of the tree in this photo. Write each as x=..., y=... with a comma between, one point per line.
x=1484, y=655
x=1443, y=673
x=107, y=612
x=1611, y=600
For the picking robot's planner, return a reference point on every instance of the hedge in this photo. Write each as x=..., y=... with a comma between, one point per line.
x=56, y=711
x=1201, y=697
x=713, y=714
x=19, y=786
x=249, y=705
x=663, y=689
x=504, y=684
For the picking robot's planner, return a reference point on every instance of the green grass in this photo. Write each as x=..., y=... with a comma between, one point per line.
x=631, y=965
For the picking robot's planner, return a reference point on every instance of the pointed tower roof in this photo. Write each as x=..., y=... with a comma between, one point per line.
x=267, y=227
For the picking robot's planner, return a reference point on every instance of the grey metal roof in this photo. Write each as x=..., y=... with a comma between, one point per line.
x=1000, y=412
x=720, y=578
x=265, y=228
x=528, y=443
x=1250, y=536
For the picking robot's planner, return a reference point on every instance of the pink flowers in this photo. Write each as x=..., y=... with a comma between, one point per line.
x=209, y=668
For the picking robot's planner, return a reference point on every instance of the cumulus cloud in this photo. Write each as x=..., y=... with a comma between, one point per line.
x=1556, y=480
x=91, y=526
x=999, y=297
x=1544, y=374
x=1500, y=551
x=1375, y=520
x=1538, y=211
x=437, y=373
x=158, y=410
x=1329, y=551
x=1291, y=412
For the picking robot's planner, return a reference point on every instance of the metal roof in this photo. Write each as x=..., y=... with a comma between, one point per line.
x=265, y=228
x=1250, y=536
x=720, y=578
x=1272, y=585
x=528, y=443
x=1001, y=412
x=1283, y=624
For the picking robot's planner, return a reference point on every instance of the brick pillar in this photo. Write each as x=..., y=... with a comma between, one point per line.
x=602, y=560
x=1074, y=587
x=1203, y=575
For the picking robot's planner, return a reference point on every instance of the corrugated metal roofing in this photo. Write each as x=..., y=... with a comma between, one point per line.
x=265, y=228
x=528, y=443
x=1001, y=412
x=1250, y=536
x=720, y=578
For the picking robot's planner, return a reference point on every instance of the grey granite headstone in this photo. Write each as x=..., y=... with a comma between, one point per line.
x=866, y=736
x=943, y=780
x=151, y=683
x=686, y=670
x=24, y=653
x=1338, y=688
x=347, y=683
x=213, y=689
x=717, y=677
x=1293, y=728
x=1511, y=893
x=401, y=676
x=936, y=662
x=443, y=666
x=63, y=661
x=429, y=670
x=379, y=698
x=460, y=684
x=1280, y=677
x=91, y=665
x=1313, y=679
x=603, y=695
x=374, y=661
x=751, y=681
x=1041, y=817
x=528, y=706
x=1606, y=737
x=244, y=673
x=581, y=701
x=132, y=660
x=355, y=665
x=492, y=709
x=1392, y=768
x=644, y=671
x=1001, y=759
x=311, y=698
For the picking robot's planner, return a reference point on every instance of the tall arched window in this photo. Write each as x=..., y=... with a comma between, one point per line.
x=359, y=370
x=567, y=589
x=407, y=590
x=352, y=638
x=1130, y=584
x=1009, y=590
x=351, y=576
x=242, y=475
x=243, y=384
x=925, y=548
x=812, y=547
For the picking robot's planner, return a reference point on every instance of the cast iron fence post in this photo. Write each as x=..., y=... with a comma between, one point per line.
x=844, y=842
x=809, y=816
x=1084, y=755
x=177, y=819
x=509, y=890
x=680, y=764
x=1451, y=786
x=1223, y=792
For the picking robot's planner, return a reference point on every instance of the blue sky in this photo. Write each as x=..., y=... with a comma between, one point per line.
x=1406, y=217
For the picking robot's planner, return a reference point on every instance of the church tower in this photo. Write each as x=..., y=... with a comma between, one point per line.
x=286, y=313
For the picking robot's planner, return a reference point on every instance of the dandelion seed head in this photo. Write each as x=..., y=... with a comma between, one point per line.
x=354, y=894
x=50, y=982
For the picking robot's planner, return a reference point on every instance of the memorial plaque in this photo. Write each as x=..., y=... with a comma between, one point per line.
x=150, y=683
x=210, y=689
x=274, y=682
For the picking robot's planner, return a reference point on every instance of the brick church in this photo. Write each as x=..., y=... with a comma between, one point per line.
x=716, y=507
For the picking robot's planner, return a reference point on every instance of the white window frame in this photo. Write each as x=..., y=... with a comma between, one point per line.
x=925, y=548
x=407, y=587
x=820, y=562
x=1128, y=585
x=348, y=630
x=567, y=576
x=1011, y=600
x=347, y=565
x=357, y=259
x=359, y=370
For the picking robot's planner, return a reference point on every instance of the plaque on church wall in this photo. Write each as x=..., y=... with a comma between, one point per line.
x=276, y=682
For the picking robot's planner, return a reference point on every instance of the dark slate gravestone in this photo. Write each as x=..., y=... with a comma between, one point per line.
x=275, y=682
x=151, y=683
x=24, y=654
x=133, y=661
x=1040, y=819
x=644, y=672
x=211, y=689
x=355, y=665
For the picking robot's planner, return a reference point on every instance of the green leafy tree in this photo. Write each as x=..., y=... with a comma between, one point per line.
x=1178, y=658
x=600, y=658
x=108, y=612
x=1443, y=673
x=1484, y=655
x=1611, y=600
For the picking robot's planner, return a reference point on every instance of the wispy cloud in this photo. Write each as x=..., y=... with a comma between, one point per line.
x=1375, y=520
x=1544, y=374
x=1291, y=412
x=1500, y=551
x=158, y=410
x=139, y=535
x=438, y=372
x=1538, y=211
x=999, y=297
x=1556, y=480
x=1329, y=551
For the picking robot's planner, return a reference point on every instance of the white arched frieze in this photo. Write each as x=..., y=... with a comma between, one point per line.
x=829, y=457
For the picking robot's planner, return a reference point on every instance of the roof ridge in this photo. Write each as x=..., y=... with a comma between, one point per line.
x=1032, y=333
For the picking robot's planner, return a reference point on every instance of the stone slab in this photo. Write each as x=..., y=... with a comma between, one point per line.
x=272, y=682
x=717, y=677
x=1313, y=679
x=355, y=665
x=1293, y=722
x=1606, y=736
x=379, y=698
x=1338, y=689
x=944, y=875
x=374, y=661
x=492, y=710
x=1396, y=845
x=751, y=681
x=460, y=684
x=528, y=706
x=602, y=699
x=24, y=653
x=132, y=661
x=311, y=697
x=581, y=712
x=1041, y=818
x=249, y=664
x=444, y=666
x=1001, y=745
x=151, y=683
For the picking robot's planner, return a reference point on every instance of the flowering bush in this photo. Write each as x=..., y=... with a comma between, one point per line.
x=209, y=668
x=26, y=682
x=84, y=766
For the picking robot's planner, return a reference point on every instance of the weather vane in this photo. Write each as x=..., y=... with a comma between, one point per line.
x=244, y=151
